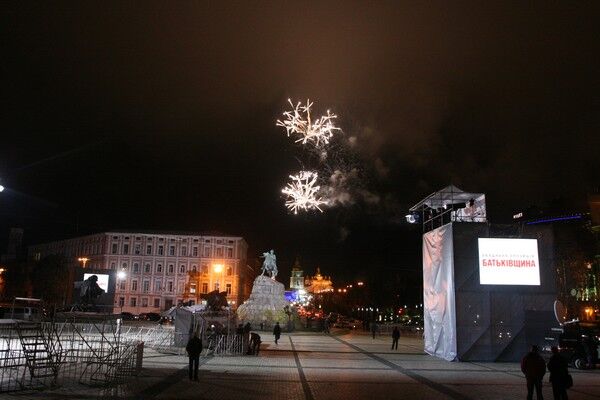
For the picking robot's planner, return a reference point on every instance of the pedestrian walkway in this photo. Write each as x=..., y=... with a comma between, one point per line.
x=344, y=365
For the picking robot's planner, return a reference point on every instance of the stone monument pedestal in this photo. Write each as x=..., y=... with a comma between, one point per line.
x=266, y=303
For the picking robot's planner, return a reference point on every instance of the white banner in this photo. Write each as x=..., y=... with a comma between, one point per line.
x=439, y=309
x=508, y=262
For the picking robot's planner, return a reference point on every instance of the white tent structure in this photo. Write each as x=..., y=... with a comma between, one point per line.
x=449, y=204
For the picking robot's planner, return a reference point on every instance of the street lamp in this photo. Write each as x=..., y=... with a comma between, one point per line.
x=217, y=269
x=83, y=261
x=1, y=188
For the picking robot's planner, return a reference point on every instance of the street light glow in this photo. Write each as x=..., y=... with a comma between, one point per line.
x=218, y=268
x=83, y=260
x=121, y=275
x=1, y=188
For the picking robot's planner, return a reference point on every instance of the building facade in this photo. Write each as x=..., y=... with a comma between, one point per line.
x=157, y=270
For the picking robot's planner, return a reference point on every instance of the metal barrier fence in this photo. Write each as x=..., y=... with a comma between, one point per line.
x=386, y=329
x=49, y=354
x=166, y=340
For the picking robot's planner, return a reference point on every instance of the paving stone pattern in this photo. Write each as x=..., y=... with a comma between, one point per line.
x=344, y=365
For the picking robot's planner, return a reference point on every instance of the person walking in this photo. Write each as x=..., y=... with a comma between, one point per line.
x=326, y=325
x=373, y=329
x=277, y=332
x=194, y=348
x=395, y=338
x=534, y=368
x=559, y=374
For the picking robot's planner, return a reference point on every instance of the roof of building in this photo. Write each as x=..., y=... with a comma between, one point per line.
x=173, y=233
x=448, y=195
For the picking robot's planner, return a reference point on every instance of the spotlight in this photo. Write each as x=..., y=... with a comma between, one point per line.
x=412, y=218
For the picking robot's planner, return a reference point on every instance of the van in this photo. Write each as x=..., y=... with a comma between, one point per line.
x=22, y=313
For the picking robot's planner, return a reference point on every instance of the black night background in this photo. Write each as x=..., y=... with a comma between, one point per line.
x=161, y=116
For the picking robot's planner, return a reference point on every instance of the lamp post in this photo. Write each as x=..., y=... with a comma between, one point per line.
x=121, y=276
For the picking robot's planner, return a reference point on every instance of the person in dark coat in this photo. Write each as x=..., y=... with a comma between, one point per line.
x=255, y=342
x=534, y=368
x=326, y=325
x=395, y=338
x=194, y=348
x=559, y=372
x=277, y=332
x=374, y=329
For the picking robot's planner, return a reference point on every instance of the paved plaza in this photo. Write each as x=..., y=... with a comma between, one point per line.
x=344, y=365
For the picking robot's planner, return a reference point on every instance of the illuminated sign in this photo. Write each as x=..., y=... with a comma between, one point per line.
x=508, y=262
x=102, y=280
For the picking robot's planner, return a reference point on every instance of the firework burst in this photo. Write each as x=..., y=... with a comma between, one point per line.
x=302, y=192
x=298, y=122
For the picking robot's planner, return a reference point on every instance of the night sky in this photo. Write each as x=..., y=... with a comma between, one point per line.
x=162, y=115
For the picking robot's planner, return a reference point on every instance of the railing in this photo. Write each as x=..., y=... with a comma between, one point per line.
x=165, y=340
x=92, y=354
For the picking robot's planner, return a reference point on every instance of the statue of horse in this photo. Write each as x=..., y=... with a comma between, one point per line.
x=270, y=264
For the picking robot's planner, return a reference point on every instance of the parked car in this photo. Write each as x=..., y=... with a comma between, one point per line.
x=150, y=317
x=575, y=342
x=127, y=316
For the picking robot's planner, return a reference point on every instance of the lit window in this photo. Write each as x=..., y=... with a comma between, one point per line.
x=192, y=288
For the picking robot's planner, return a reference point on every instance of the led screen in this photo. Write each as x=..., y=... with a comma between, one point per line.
x=102, y=280
x=508, y=262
